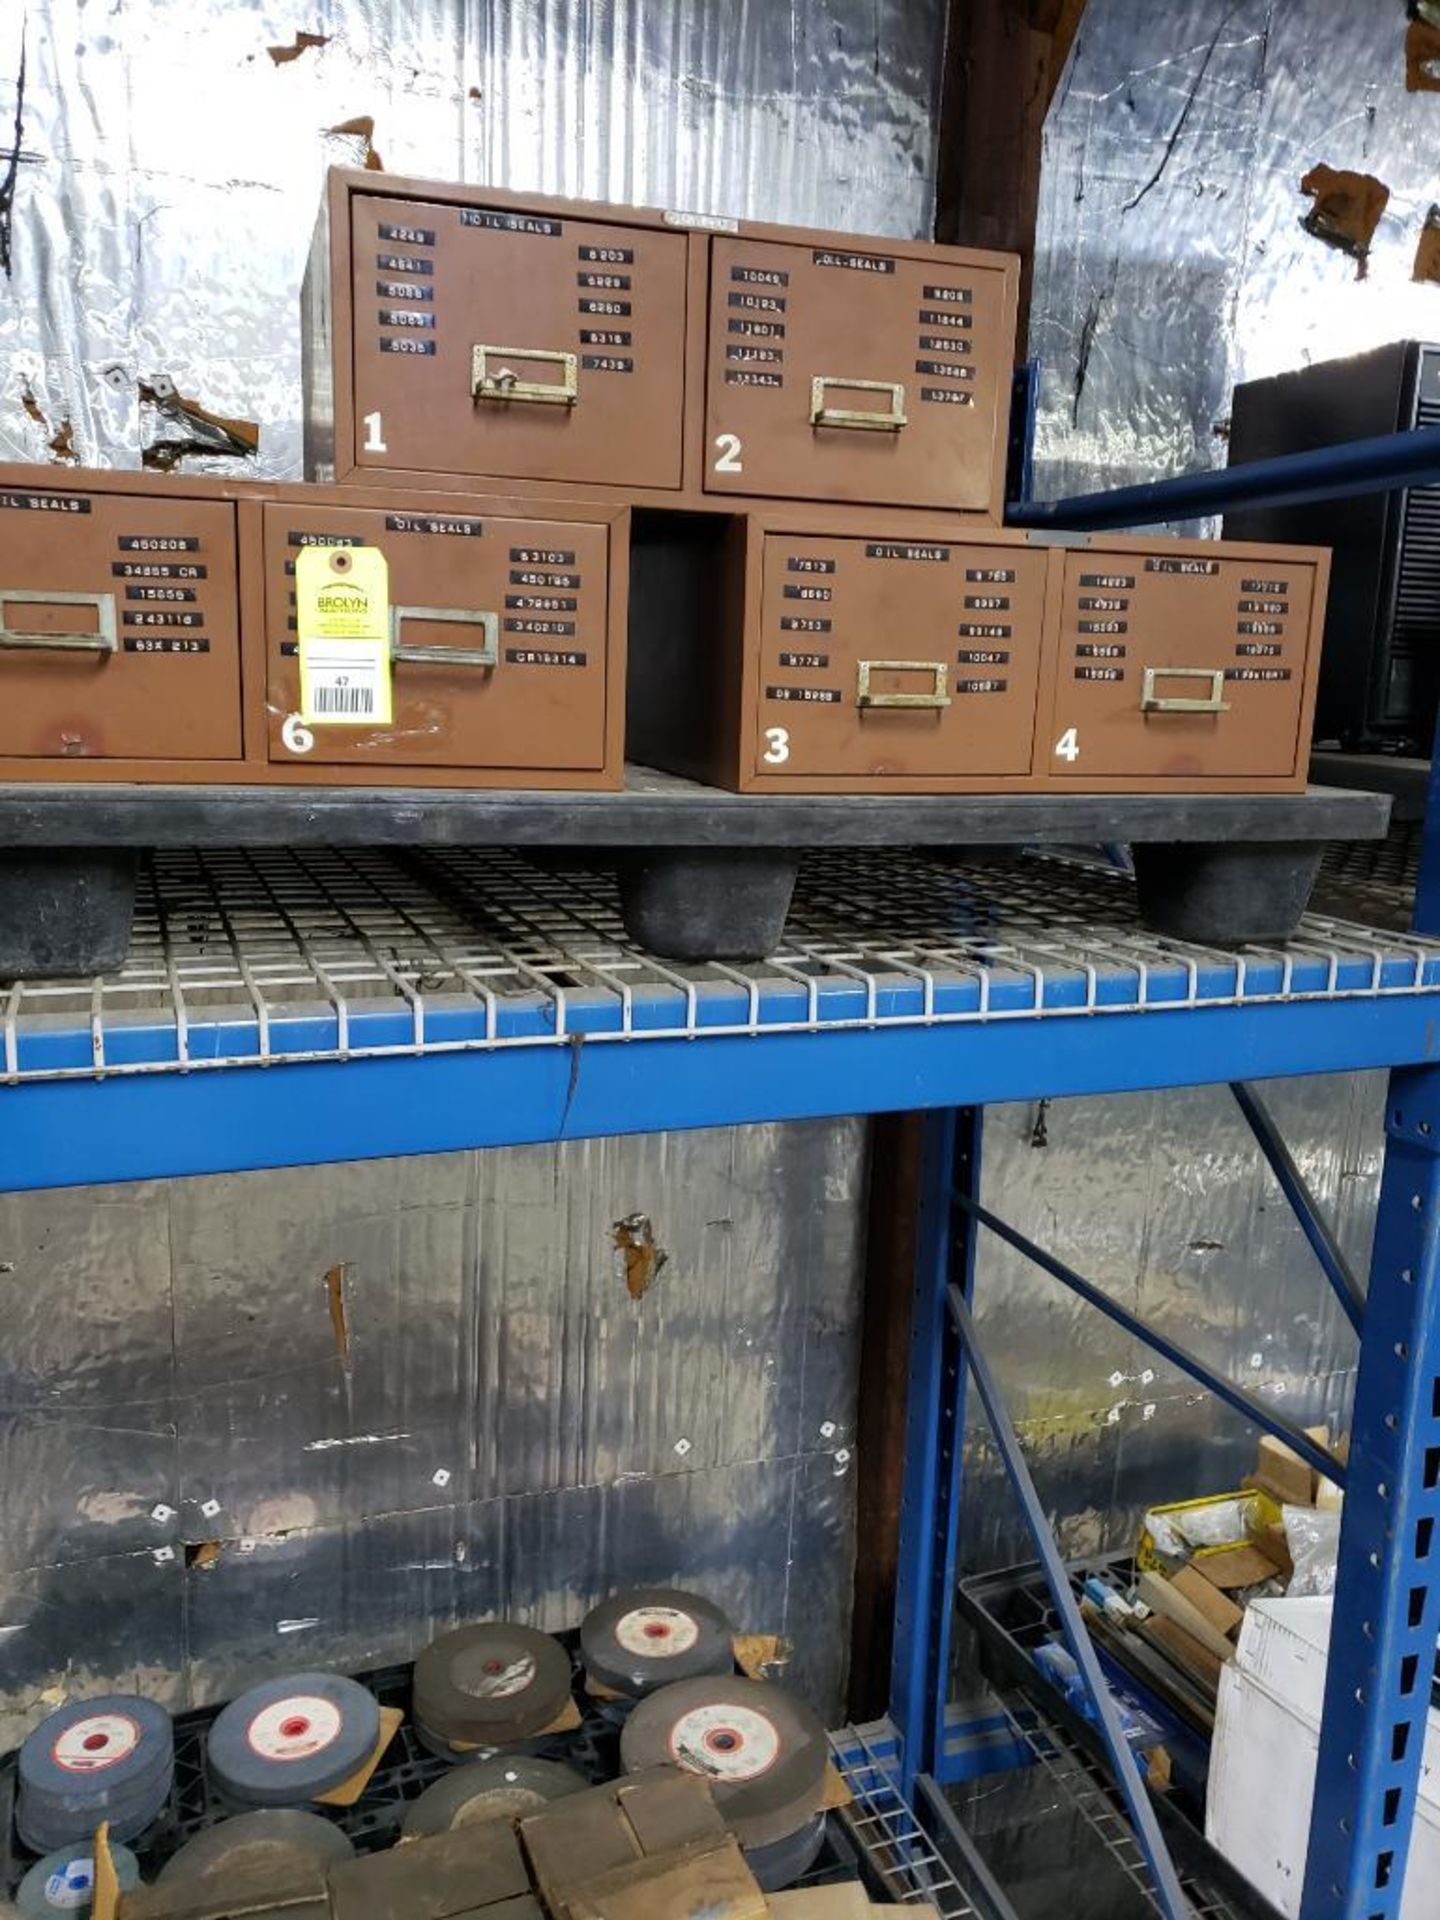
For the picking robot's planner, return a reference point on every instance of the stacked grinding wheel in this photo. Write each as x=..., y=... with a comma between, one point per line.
x=502, y=1787
x=651, y=1637
x=292, y=1739
x=110, y=1759
x=64, y=1882
x=284, y=1841
x=763, y=1752
x=488, y=1686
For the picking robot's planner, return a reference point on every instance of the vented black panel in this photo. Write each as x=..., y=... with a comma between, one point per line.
x=1412, y=679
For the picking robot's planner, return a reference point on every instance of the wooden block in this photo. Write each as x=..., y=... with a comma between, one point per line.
x=437, y=1878
x=1217, y=1607
x=1165, y=1598
x=712, y=1881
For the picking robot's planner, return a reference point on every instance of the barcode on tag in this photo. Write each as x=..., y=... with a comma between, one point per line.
x=355, y=703
x=344, y=683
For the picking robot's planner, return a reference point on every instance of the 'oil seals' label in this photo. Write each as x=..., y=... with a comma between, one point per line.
x=342, y=615
x=725, y=1742
x=659, y=1633
x=295, y=1728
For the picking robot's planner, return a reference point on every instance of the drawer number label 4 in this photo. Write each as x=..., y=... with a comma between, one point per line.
x=727, y=453
x=777, y=746
x=1067, y=747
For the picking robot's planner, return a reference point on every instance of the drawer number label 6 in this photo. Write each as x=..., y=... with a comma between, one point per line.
x=1067, y=747
x=296, y=735
x=777, y=746
x=727, y=453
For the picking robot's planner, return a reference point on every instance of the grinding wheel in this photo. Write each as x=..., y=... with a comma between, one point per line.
x=491, y=1683
x=107, y=1759
x=291, y=1739
x=64, y=1882
x=650, y=1637
x=499, y=1788
x=782, y=1863
x=762, y=1750
x=277, y=1837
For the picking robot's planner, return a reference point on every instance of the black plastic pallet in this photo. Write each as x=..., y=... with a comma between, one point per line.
x=406, y=1769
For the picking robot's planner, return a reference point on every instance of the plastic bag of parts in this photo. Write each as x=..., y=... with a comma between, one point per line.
x=1224, y=1520
x=1313, y=1537
x=1060, y=1668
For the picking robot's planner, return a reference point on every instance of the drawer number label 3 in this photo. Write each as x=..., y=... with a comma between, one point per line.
x=777, y=746
x=375, y=434
x=1067, y=747
x=727, y=453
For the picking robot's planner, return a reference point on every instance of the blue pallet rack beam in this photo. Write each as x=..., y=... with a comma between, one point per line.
x=1384, y=464
x=1246, y=1404
x=1169, y=1896
x=1313, y=1224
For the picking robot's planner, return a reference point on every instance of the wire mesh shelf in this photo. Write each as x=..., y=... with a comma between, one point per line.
x=900, y=1854
x=262, y=957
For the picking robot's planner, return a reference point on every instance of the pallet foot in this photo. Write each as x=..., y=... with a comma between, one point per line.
x=65, y=912
x=1226, y=895
x=699, y=903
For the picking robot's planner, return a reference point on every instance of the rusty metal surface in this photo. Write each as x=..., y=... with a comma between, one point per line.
x=1172, y=259
x=312, y=1417
x=171, y=162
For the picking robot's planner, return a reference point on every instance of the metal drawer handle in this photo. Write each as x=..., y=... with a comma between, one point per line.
x=482, y=656
x=101, y=641
x=497, y=382
x=823, y=416
x=939, y=696
x=1151, y=701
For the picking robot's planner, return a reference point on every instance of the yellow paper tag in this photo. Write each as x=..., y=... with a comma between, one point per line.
x=342, y=616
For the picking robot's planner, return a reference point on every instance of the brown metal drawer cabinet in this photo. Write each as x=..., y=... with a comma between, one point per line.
x=454, y=332
x=874, y=372
x=506, y=636
x=119, y=631
x=1185, y=662
x=837, y=661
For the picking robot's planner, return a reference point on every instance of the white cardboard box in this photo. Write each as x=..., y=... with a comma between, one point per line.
x=1262, y=1762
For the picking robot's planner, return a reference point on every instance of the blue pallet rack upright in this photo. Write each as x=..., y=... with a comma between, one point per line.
x=291, y=1009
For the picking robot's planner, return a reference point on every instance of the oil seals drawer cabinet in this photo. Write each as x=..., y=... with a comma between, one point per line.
x=455, y=334
x=860, y=371
x=823, y=659
x=452, y=332
x=1189, y=662
x=119, y=630
x=506, y=642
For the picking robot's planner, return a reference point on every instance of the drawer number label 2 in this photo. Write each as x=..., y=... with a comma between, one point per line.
x=727, y=453
x=1067, y=747
x=375, y=434
x=777, y=746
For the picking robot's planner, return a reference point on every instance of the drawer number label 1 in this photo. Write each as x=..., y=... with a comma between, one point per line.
x=375, y=434
x=727, y=453
x=1067, y=747
x=777, y=746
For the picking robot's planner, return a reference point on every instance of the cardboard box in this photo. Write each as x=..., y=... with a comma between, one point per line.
x=1166, y=1598
x=1262, y=1766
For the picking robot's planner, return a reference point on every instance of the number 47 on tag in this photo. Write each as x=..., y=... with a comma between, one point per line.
x=342, y=617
